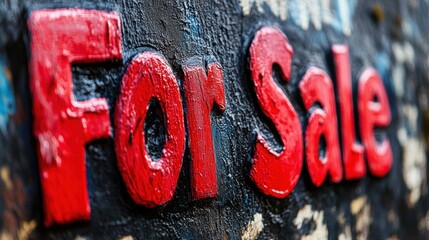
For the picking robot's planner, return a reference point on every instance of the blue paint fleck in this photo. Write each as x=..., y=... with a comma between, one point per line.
x=194, y=36
x=7, y=100
x=382, y=65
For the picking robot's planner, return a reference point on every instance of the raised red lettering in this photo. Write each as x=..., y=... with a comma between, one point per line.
x=374, y=111
x=317, y=87
x=150, y=183
x=202, y=91
x=354, y=164
x=63, y=125
x=275, y=174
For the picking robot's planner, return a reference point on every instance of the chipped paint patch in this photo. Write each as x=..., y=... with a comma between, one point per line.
x=26, y=229
x=5, y=177
x=411, y=114
x=307, y=12
x=398, y=76
x=278, y=7
x=363, y=221
x=305, y=214
x=345, y=229
x=129, y=237
x=253, y=228
x=346, y=234
x=404, y=53
x=362, y=212
x=357, y=204
x=414, y=169
x=24, y=232
x=7, y=99
x=404, y=56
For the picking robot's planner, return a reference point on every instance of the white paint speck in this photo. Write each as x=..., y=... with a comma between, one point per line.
x=411, y=114
x=278, y=7
x=306, y=213
x=253, y=228
x=362, y=212
x=414, y=169
x=5, y=177
x=307, y=12
x=398, y=76
x=129, y=237
x=346, y=234
x=404, y=53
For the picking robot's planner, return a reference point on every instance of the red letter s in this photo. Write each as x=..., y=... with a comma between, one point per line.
x=275, y=174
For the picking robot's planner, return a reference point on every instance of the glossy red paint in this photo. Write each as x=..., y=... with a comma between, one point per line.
x=275, y=174
x=62, y=125
x=374, y=114
x=317, y=87
x=202, y=91
x=150, y=183
x=354, y=164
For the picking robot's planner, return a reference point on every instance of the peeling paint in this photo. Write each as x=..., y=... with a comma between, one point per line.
x=404, y=56
x=23, y=233
x=357, y=204
x=398, y=76
x=411, y=114
x=404, y=53
x=305, y=12
x=363, y=221
x=305, y=214
x=414, y=169
x=362, y=211
x=278, y=7
x=346, y=234
x=253, y=228
x=26, y=229
x=5, y=177
x=345, y=229
x=129, y=237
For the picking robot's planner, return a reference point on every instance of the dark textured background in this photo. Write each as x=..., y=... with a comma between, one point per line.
x=389, y=35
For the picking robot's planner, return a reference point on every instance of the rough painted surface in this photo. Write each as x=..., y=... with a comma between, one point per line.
x=388, y=35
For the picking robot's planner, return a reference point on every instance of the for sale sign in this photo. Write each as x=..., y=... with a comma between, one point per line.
x=220, y=119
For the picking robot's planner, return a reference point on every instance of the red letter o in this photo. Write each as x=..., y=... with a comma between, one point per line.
x=148, y=182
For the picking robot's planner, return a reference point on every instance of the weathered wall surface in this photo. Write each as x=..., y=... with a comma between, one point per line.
x=391, y=36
